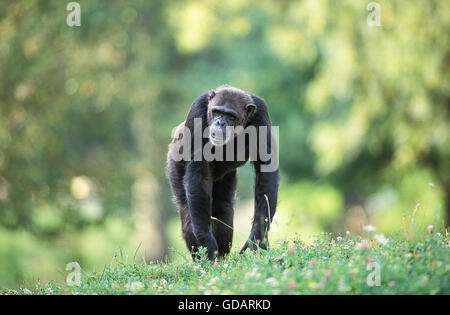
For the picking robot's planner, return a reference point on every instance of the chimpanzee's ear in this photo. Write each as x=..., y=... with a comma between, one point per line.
x=250, y=109
x=211, y=95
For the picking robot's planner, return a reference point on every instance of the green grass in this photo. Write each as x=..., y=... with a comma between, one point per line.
x=329, y=265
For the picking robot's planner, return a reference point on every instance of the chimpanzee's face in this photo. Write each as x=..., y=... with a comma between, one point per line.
x=227, y=109
x=220, y=130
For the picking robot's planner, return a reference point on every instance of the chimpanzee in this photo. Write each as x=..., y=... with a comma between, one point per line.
x=204, y=188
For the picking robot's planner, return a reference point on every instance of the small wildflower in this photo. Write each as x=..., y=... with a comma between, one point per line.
x=170, y=286
x=363, y=245
x=291, y=250
x=346, y=247
x=292, y=285
x=319, y=285
x=438, y=234
x=339, y=238
x=313, y=262
x=435, y=263
x=430, y=228
x=225, y=266
x=392, y=283
x=380, y=238
x=26, y=291
x=327, y=275
x=347, y=233
x=431, y=185
x=369, y=228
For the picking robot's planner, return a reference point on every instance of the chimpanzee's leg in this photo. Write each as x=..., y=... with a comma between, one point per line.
x=175, y=172
x=186, y=229
x=222, y=209
x=199, y=200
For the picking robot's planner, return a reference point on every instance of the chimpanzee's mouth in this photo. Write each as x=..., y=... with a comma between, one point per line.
x=218, y=140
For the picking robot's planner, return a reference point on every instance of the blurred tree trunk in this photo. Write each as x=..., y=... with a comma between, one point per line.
x=150, y=224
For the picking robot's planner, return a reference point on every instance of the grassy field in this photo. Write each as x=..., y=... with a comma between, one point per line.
x=372, y=264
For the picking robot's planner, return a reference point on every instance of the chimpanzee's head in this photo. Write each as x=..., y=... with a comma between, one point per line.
x=228, y=107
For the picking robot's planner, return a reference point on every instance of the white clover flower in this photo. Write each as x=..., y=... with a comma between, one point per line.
x=339, y=238
x=363, y=245
x=26, y=291
x=369, y=228
x=380, y=238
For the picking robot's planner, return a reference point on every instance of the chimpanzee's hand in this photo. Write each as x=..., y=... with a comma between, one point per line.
x=256, y=240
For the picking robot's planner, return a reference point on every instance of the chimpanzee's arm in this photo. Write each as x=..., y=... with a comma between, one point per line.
x=266, y=183
x=266, y=180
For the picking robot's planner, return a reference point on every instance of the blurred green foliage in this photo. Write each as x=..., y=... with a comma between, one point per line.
x=86, y=115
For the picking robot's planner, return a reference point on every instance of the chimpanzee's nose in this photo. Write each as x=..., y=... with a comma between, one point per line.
x=218, y=123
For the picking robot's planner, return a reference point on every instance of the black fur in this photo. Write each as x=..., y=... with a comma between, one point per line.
x=204, y=189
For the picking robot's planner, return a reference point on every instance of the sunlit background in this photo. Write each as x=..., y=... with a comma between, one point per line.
x=86, y=115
